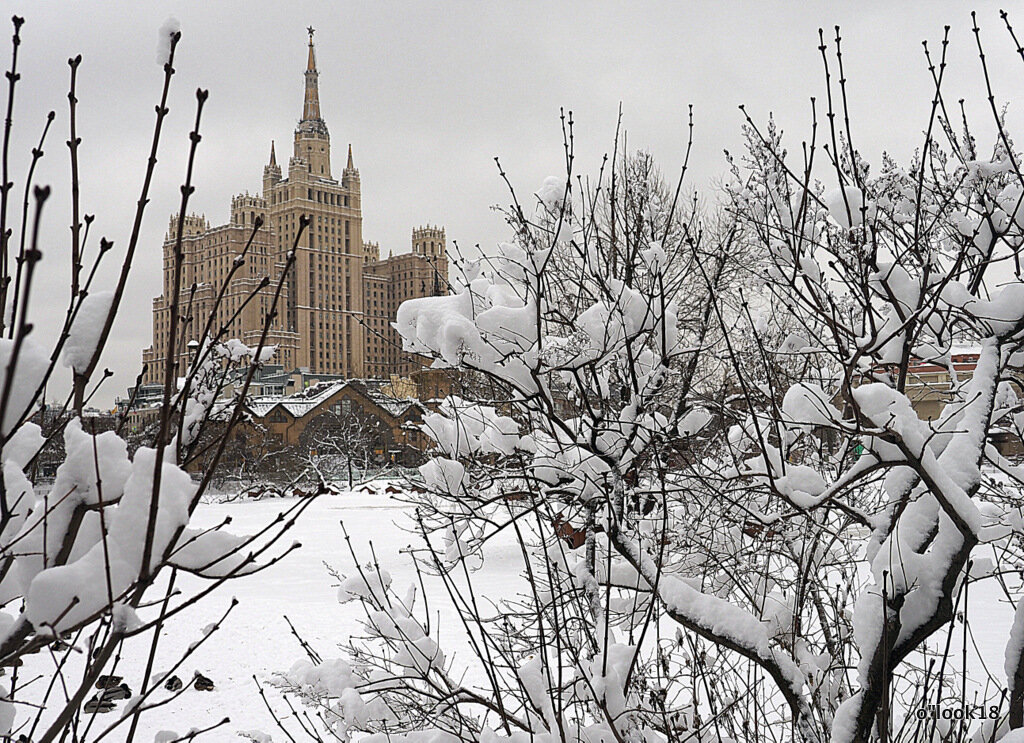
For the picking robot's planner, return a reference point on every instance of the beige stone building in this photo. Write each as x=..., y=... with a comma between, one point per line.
x=209, y=266
x=340, y=297
x=386, y=284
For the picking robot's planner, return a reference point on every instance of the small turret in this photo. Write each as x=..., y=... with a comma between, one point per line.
x=429, y=242
x=193, y=224
x=271, y=172
x=350, y=176
x=245, y=209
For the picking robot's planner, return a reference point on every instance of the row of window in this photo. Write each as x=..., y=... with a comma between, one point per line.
x=321, y=197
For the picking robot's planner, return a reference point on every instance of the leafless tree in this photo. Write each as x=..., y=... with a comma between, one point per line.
x=80, y=556
x=346, y=442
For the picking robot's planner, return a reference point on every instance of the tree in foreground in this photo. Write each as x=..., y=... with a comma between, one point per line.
x=781, y=554
x=91, y=559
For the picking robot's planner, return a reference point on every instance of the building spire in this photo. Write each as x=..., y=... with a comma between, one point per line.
x=311, y=108
x=273, y=156
x=312, y=141
x=350, y=166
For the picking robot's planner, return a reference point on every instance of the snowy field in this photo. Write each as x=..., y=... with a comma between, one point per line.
x=256, y=640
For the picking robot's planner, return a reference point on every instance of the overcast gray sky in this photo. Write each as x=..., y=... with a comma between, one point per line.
x=429, y=93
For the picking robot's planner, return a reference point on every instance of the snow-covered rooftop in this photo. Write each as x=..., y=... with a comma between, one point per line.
x=301, y=403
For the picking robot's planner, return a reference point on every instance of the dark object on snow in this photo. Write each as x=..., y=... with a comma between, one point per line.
x=108, y=682
x=757, y=529
x=116, y=692
x=574, y=538
x=202, y=683
x=173, y=684
x=259, y=492
x=96, y=704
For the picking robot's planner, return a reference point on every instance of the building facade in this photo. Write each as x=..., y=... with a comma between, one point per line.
x=339, y=298
x=396, y=433
x=389, y=282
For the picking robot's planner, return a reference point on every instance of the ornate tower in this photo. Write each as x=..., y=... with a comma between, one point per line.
x=429, y=242
x=325, y=287
x=312, y=141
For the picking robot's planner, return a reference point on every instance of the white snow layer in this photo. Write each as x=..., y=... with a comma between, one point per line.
x=60, y=597
x=85, y=330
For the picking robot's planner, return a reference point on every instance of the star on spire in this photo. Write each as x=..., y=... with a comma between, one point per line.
x=311, y=63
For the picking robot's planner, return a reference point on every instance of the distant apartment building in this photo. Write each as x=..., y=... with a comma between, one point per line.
x=335, y=309
x=930, y=386
x=389, y=282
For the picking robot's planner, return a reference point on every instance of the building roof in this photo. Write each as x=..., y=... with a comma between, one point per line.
x=311, y=398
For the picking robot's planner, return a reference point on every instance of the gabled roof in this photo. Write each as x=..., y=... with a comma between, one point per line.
x=311, y=398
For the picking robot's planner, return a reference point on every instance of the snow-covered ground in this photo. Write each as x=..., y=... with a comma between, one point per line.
x=256, y=640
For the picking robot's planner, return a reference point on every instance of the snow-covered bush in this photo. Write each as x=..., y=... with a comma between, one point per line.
x=592, y=437
x=80, y=556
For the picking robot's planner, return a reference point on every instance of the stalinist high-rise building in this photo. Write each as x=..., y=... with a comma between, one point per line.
x=340, y=297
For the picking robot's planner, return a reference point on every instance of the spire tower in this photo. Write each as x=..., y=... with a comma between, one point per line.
x=311, y=108
x=312, y=141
